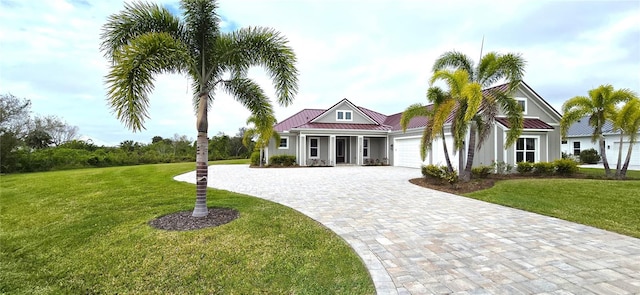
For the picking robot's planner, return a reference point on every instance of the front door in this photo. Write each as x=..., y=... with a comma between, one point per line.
x=340, y=150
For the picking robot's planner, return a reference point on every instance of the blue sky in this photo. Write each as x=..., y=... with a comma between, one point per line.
x=378, y=54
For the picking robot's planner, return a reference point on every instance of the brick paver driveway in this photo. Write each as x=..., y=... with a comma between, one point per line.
x=419, y=241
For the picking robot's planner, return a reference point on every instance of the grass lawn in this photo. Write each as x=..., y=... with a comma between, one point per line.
x=86, y=231
x=599, y=173
x=608, y=204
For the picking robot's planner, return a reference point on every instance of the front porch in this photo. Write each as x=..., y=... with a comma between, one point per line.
x=332, y=150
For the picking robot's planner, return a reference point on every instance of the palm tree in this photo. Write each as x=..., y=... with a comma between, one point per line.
x=441, y=103
x=628, y=121
x=145, y=40
x=263, y=131
x=492, y=68
x=600, y=106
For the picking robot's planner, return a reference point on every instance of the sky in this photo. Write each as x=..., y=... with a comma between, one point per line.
x=376, y=53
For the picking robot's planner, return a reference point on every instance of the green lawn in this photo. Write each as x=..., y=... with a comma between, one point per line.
x=599, y=173
x=86, y=231
x=608, y=204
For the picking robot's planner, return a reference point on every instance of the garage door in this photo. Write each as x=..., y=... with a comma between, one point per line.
x=406, y=152
x=635, y=153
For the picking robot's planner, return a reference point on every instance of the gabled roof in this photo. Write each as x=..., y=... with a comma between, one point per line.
x=582, y=128
x=307, y=118
x=335, y=106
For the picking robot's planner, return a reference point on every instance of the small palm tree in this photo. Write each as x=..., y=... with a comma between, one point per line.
x=145, y=40
x=628, y=121
x=262, y=131
x=441, y=104
x=599, y=106
x=492, y=68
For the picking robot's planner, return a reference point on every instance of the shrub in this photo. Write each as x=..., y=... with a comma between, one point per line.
x=589, y=156
x=481, y=171
x=282, y=160
x=255, y=158
x=566, y=166
x=439, y=173
x=502, y=167
x=524, y=167
x=544, y=168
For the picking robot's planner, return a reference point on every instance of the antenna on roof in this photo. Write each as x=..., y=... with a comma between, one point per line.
x=481, y=47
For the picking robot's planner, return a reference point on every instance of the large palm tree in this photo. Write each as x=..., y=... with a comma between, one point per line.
x=628, y=121
x=145, y=40
x=492, y=68
x=599, y=106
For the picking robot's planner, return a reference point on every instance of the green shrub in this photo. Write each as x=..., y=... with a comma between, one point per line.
x=502, y=167
x=282, y=160
x=589, y=156
x=439, y=173
x=544, y=168
x=481, y=171
x=524, y=167
x=566, y=166
x=255, y=158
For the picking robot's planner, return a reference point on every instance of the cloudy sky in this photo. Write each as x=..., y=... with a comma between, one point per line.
x=378, y=54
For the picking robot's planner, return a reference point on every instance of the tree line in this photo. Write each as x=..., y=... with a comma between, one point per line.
x=43, y=143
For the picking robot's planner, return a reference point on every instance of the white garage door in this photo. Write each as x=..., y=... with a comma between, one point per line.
x=406, y=152
x=635, y=154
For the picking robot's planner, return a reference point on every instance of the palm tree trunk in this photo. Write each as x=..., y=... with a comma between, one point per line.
x=202, y=153
x=446, y=152
x=261, y=155
x=471, y=149
x=619, y=164
x=603, y=154
x=623, y=172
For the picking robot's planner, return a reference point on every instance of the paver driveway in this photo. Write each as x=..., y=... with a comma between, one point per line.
x=419, y=241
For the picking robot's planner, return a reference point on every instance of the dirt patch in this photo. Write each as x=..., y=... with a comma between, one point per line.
x=181, y=221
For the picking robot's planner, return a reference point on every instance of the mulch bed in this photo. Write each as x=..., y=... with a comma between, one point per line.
x=458, y=188
x=182, y=221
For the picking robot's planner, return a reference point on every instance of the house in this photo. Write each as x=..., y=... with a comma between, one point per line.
x=349, y=134
x=579, y=139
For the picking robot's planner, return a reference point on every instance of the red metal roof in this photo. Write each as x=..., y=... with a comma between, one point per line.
x=303, y=118
x=344, y=126
x=527, y=124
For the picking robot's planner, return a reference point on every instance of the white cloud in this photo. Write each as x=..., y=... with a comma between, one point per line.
x=378, y=54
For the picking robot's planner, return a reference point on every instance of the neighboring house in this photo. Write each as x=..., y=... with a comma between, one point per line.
x=350, y=134
x=579, y=139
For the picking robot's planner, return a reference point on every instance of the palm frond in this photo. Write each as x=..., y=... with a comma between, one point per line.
x=131, y=77
x=251, y=96
x=454, y=60
x=628, y=119
x=203, y=28
x=134, y=20
x=414, y=110
x=263, y=47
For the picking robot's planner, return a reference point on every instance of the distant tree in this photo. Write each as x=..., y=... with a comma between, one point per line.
x=38, y=139
x=599, y=106
x=145, y=40
x=156, y=139
x=14, y=115
x=219, y=147
x=59, y=131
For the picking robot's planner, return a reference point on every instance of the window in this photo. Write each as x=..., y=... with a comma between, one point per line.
x=564, y=142
x=522, y=102
x=344, y=116
x=365, y=148
x=284, y=143
x=526, y=150
x=576, y=148
x=314, y=147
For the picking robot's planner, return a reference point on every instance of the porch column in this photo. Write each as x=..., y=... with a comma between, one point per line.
x=303, y=151
x=386, y=148
x=332, y=150
x=359, y=146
